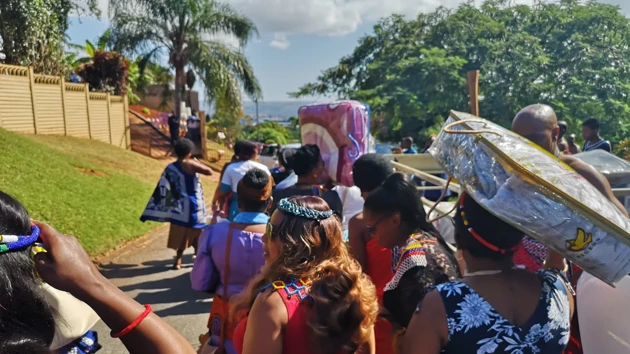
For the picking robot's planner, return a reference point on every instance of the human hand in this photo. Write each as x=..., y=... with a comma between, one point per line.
x=65, y=266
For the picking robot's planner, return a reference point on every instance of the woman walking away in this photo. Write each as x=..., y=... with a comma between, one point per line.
x=230, y=254
x=311, y=296
x=495, y=308
x=28, y=321
x=369, y=172
x=178, y=199
x=421, y=258
x=248, y=153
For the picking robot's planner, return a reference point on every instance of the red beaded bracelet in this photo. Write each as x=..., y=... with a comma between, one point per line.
x=134, y=324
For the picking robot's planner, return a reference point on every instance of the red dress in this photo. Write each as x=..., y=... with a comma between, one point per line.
x=295, y=336
x=379, y=269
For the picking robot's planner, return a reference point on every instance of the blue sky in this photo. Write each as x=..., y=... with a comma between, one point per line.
x=300, y=38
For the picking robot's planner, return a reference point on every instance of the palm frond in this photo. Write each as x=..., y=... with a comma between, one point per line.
x=219, y=65
x=89, y=49
x=104, y=40
x=219, y=18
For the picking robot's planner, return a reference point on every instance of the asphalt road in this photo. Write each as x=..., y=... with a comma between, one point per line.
x=142, y=270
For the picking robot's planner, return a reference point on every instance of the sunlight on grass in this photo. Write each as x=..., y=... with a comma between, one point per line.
x=82, y=187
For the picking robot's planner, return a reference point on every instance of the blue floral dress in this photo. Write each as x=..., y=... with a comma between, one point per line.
x=475, y=327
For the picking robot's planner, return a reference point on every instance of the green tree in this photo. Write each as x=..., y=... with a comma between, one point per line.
x=268, y=133
x=32, y=32
x=184, y=29
x=571, y=54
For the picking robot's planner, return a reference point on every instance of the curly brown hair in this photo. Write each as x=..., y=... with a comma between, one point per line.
x=344, y=305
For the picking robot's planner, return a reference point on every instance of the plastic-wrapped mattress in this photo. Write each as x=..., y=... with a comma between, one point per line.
x=532, y=190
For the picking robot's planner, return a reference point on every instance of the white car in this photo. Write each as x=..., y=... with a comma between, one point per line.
x=269, y=154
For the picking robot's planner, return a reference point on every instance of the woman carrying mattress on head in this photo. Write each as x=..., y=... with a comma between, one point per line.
x=496, y=307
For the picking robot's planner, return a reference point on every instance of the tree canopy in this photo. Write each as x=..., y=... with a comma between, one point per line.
x=186, y=31
x=33, y=32
x=573, y=55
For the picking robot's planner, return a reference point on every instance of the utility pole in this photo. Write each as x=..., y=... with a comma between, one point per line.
x=257, y=120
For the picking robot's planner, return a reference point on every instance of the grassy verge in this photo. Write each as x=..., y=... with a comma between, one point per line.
x=82, y=187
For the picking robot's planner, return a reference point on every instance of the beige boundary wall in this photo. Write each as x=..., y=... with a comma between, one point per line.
x=40, y=104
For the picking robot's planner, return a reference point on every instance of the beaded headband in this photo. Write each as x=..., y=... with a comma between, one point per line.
x=289, y=207
x=12, y=242
x=475, y=234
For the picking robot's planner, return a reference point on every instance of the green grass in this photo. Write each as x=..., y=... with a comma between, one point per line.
x=52, y=177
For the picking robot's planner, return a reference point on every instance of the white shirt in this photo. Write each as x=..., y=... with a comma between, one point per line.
x=235, y=172
x=352, y=202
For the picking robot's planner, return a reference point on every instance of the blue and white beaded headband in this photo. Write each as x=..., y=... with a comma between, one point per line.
x=289, y=207
x=12, y=242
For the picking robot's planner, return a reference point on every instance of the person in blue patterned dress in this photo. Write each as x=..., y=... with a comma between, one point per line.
x=495, y=308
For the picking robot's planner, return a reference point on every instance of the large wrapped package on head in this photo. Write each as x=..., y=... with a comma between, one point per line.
x=342, y=132
x=532, y=190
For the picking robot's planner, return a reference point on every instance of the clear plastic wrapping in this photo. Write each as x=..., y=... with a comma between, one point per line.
x=532, y=190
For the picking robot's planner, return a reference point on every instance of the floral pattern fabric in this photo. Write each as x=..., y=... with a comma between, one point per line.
x=475, y=327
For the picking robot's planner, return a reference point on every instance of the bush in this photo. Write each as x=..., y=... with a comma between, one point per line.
x=108, y=72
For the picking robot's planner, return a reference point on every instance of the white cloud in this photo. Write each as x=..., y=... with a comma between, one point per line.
x=284, y=18
x=280, y=41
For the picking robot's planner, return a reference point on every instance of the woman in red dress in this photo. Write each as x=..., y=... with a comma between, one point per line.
x=369, y=172
x=311, y=296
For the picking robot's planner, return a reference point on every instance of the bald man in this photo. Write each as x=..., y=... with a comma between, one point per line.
x=539, y=124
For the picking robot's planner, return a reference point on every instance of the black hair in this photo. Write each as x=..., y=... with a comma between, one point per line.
x=306, y=159
x=591, y=123
x=27, y=320
x=246, y=150
x=256, y=179
x=286, y=158
x=398, y=195
x=183, y=147
x=408, y=139
x=563, y=128
x=370, y=170
x=487, y=226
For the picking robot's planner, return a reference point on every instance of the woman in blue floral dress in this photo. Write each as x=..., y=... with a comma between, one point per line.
x=495, y=308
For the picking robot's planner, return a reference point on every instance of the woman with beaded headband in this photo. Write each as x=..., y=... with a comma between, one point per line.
x=496, y=307
x=311, y=296
x=396, y=219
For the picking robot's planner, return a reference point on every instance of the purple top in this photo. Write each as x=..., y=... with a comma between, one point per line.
x=246, y=259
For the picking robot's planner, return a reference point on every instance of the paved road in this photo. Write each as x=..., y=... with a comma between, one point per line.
x=142, y=270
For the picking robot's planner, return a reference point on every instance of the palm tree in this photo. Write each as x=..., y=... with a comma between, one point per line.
x=184, y=29
x=103, y=44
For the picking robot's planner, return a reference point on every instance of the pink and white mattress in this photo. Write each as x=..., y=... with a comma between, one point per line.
x=341, y=130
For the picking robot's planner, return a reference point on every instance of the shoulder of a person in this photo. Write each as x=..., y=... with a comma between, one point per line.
x=262, y=167
x=269, y=303
x=357, y=219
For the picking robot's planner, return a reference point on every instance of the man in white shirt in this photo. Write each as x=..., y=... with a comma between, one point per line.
x=248, y=153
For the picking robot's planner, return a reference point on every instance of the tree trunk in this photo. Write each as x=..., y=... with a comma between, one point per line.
x=179, y=78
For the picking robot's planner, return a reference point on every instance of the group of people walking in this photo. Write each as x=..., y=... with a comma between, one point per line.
x=286, y=282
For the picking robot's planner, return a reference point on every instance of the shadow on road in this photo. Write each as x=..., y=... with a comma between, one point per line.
x=124, y=271
x=171, y=290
